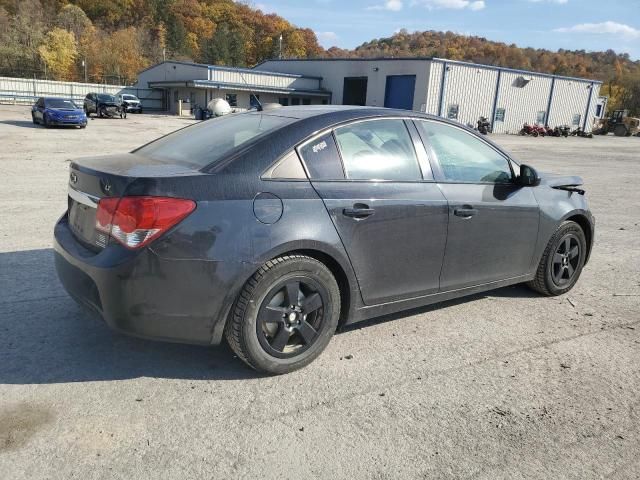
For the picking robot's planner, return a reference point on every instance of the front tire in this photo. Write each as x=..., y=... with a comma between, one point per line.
x=285, y=315
x=562, y=261
x=45, y=121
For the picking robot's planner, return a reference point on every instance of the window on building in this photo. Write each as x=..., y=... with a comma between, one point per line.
x=306, y=101
x=295, y=101
x=452, y=111
x=500, y=112
x=378, y=150
x=254, y=101
x=232, y=99
x=540, y=117
x=322, y=159
x=598, y=111
x=576, y=119
x=284, y=101
x=463, y=157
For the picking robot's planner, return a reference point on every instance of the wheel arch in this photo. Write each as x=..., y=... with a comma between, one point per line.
x=587, y=227
x=333, y=259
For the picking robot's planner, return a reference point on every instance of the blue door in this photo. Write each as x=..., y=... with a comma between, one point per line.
x=399, y=91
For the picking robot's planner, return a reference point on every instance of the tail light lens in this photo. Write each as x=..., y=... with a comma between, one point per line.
x=136, y=221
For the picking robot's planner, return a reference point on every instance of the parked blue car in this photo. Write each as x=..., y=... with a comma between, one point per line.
x=50, y=111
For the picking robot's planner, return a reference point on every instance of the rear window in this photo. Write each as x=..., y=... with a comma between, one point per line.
x=209, y=141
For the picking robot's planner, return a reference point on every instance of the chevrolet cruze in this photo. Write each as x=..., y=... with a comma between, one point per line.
x=273, y=228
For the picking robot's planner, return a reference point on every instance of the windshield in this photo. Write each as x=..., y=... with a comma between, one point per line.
x=106, y=98
x=129, y=97
x=209, y=141
x=60, y=103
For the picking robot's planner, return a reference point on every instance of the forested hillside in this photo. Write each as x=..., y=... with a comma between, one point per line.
x=118, y=38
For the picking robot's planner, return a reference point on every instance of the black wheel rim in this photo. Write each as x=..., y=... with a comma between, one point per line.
x=566, y=260
x=291, y=317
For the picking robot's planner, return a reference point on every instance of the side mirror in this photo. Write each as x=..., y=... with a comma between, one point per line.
x=528, y=176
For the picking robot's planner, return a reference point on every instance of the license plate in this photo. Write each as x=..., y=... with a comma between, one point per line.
x=82, y=220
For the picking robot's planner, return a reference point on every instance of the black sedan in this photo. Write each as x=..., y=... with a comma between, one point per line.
x=274, y=228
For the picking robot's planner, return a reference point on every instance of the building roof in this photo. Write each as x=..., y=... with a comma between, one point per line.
x=434, y=59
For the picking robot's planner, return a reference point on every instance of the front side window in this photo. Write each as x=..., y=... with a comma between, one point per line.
x=464, y=157
x=378, y=150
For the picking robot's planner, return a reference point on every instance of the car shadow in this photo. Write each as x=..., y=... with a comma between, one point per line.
x=46, y=338
x=21, y=123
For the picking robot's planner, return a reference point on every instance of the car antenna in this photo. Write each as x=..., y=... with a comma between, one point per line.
x=251, y=94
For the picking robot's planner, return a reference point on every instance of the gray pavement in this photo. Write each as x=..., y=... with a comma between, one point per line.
x=506, y=384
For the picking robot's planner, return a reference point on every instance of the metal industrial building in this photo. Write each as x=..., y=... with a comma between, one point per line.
x=198, y=84
x=457, y=90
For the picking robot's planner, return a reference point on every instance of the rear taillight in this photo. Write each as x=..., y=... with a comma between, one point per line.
x=136, y=221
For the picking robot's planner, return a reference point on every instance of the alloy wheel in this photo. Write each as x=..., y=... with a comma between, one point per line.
x=291, y=317
x=566, y=260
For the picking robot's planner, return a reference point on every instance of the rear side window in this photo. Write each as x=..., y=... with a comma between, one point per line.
x=322, y=159
x=463, y=157
x=378, y=150
x=210, y=141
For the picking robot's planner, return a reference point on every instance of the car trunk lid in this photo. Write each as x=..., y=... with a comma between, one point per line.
x=92, y=179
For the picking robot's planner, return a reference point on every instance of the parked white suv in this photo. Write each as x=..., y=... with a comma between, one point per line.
x=132, y=102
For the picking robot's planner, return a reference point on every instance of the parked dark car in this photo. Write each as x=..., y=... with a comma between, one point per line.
x=50, y=111
x=273, y=228
x=130, y=102
x=102, y=104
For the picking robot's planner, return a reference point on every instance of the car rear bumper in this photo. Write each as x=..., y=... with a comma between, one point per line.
x=142, y=294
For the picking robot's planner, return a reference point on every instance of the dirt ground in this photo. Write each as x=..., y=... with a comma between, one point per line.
x=502, y=385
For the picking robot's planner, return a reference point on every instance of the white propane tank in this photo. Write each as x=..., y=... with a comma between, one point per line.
x=219, y=107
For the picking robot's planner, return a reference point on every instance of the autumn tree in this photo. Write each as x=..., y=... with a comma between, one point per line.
x=59, y=52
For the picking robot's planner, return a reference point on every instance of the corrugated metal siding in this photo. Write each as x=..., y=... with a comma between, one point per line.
x=263, y=79
x=433, y=90
x=26, y=91
x=472, y=89
x=521, y=104
x=569, y=99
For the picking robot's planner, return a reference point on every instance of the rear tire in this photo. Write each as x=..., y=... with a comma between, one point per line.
x=266, y=333
x=562, y=261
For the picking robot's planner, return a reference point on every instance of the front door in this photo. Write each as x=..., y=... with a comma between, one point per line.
x=390, y=215
x=493, y=222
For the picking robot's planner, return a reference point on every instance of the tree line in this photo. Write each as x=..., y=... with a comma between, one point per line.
x=112, y=40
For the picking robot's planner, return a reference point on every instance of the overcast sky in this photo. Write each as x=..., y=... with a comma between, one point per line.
x=552, y=24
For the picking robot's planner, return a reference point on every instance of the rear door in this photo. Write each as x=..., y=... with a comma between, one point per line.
x=389, y=213
x=493, y=222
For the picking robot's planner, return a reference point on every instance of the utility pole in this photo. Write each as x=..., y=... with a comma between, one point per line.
x=280, y=49
x=84, y=66
x=164, y=54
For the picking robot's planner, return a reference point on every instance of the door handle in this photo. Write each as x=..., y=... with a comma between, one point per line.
x=465, y=212
x=358, y=211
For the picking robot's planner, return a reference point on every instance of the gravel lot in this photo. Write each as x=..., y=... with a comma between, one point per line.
x=502, y=385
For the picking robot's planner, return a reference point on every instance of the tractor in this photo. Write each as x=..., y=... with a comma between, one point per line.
x=620, y=124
